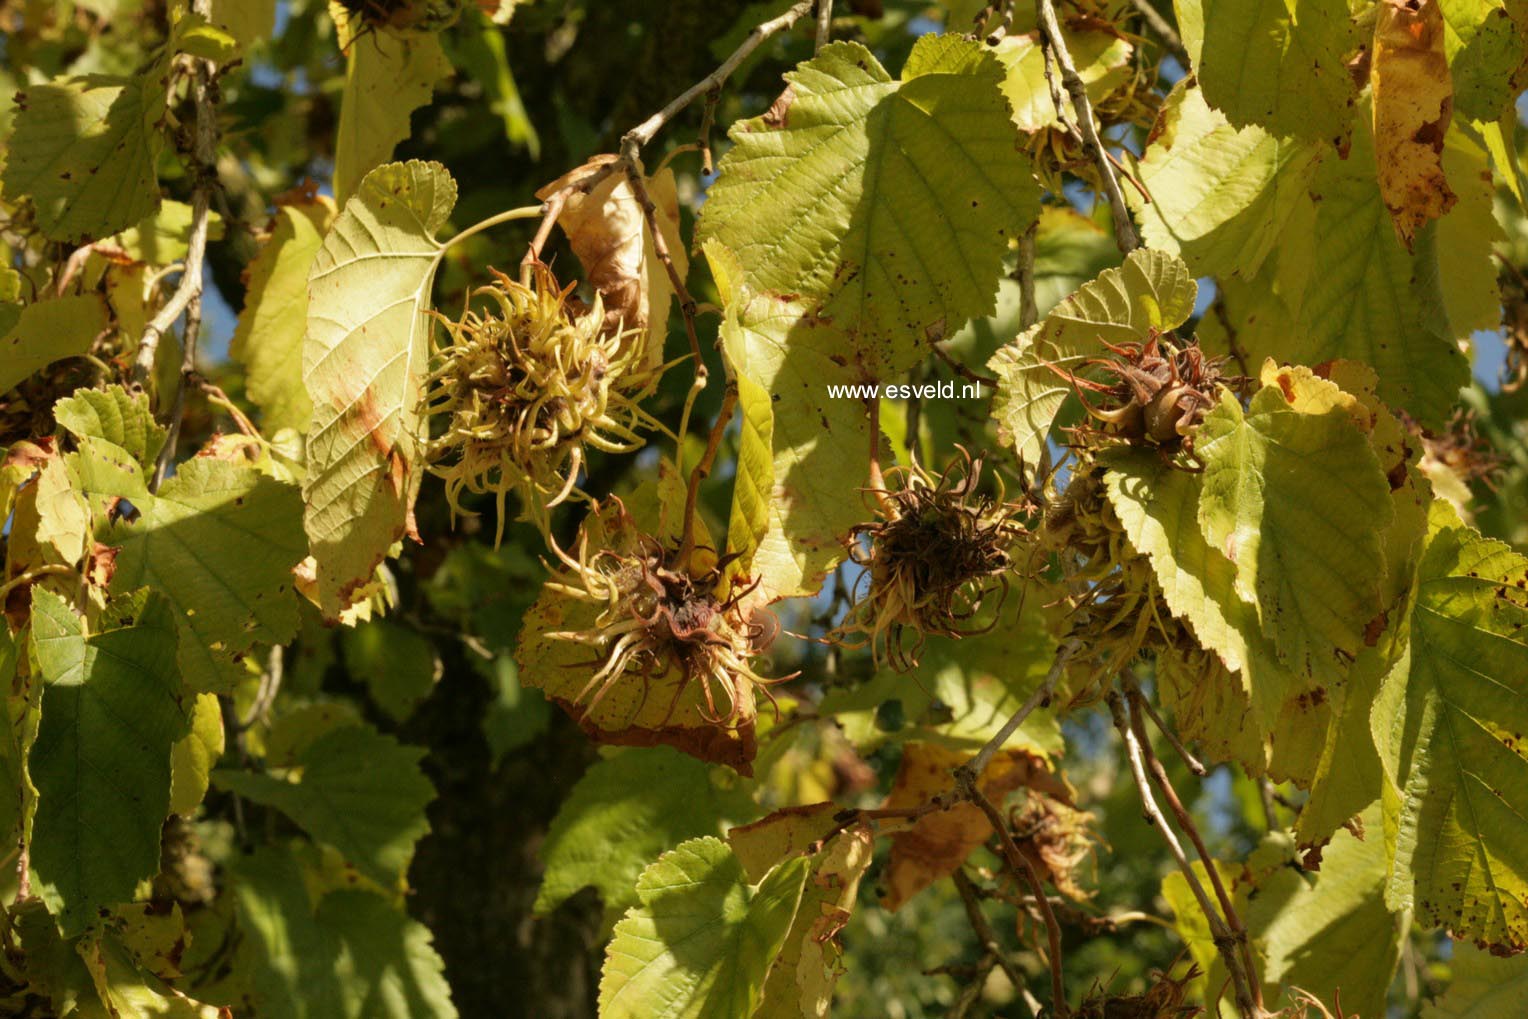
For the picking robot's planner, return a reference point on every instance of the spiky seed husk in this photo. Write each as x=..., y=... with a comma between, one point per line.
x=405, y=15
x=938, y=550
x=659, y=616
x=527, y=387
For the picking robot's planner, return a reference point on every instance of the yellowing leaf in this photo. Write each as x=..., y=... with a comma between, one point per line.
x=936, y=845
x=1220, y=196
x=1278, y=65
x=1297, y=501
x=1413, y=100
x=195, y=754
x=364, y=362
x=83, y=150
x=388, y=75
x=1449, y=725
x=269, y=337
x=702, y=941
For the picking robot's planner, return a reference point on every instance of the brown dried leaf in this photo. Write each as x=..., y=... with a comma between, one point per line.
x=937, y=844
x=607, y=231
x=1413, y=102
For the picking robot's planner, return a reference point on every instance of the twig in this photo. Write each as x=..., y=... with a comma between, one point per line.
x=187, y=298
x=633, y=140
x=265, y=696
x=703, y=139
x=1164, y=31
x=971, y=990
x=1050, y=32
x=1224, y=940
x=634, y=176
x=961, y=370
x=1040, y=698
x=1025, y=871
x=824, y=25
x=1138, y=702
x=985, y=935
x=1270, y=812
x=703, y=468
x=49, y=570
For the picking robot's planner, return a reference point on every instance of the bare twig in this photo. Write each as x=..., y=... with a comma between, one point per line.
x=703, y=468
x=1050, y=32
x=633, y=141
x=1270, y=811
x=1025, y=871
x=1164, y=31
x=824, y=25
x=187, y=298
x=1225, y=940
x=1039, y=699
x=1138, y=702
x=985, y=935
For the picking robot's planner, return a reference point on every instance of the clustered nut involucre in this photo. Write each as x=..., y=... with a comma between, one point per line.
x=938, y=550
x=526, y=388
x=658, y=616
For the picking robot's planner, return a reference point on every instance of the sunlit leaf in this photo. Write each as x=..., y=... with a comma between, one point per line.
x=1413, y=98
x=388, y=75
x=889, y=202
x=363, y=366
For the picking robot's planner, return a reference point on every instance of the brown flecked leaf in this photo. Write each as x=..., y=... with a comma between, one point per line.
x=1058, y=839
x=1413, y=101
x=937, y=844
x=608, y=233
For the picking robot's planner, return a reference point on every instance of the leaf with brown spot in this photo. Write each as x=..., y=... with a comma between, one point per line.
x=364, y=362
x=1413, y=102
x=936, y=845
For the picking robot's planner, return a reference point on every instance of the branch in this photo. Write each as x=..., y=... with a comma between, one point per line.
x=1024, y=871
x=633, y=141
x=1050, y=33
x=1225, y=940
x=1139, y=703
x=1164, y=30
x=1040, y=698
x=187, y=298
x=985, y=935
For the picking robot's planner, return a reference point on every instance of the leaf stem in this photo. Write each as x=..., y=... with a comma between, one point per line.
x=523, y=212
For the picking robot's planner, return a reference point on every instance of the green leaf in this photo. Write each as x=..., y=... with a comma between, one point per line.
x=796, y=446
x=195, y=754
x=48, y=331
x=1483, y=986
x=624, y=812
x=111, y=712
x=1219, y=196
x=1278, y=65
x=83, y=150
x=358, y=790
x=269, y=337
x=388, y=76
x=701, y=943
x=398, y=665
x=1450, y=725
x=363, y=366
x=891, y=203
x=1102, y=58
x=1465, y=239
x=1297, y=501
x=246, y=20
x=347, y=955
x=121, y=418
x=1152, y=290
x=219, y=541
x=127, y=992
x=801, y=977
x=1332, y=933
x=1158, y=507
x=1486, y=47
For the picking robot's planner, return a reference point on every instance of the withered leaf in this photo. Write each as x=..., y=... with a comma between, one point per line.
x=1413, y=102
